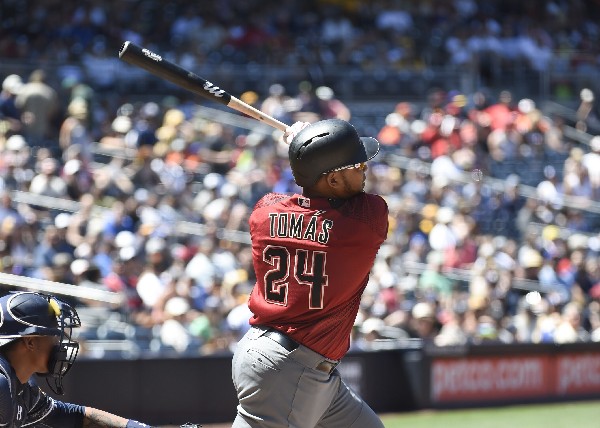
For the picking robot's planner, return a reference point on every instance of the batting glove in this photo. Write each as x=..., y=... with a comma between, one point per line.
x=293, y=130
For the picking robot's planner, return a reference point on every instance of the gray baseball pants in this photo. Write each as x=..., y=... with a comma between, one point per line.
x=279, y=388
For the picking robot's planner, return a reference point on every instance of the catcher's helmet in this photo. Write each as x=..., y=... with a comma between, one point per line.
x=36, y=314
x=327, y=145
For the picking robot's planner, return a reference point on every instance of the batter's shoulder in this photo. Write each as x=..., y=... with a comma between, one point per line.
x=370, y=209
x=371, y=203
x=376, y=201
x=270, y=199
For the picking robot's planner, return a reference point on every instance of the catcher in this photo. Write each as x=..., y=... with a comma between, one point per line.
x=35, y=337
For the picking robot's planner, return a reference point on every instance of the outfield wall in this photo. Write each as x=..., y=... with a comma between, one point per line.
x=500, y=374
x=175, y=390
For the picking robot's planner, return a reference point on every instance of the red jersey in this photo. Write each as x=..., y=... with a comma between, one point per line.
x=312, y=261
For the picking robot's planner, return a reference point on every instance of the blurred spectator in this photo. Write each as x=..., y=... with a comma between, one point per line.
x=39, y=106
x=425, y=323
x=570, y=328
x=276, y=104
x=73, y=132
x=47, y=182
x=11, y=85
x=432, y=281
x=451, y=332
x=217, y=148
x=122, y=277
x=8, y=213
x=331, y=107
x=174, y=330
x=51, y=245
x=117, y=220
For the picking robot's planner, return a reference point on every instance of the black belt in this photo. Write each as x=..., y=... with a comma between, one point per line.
x=290, y=345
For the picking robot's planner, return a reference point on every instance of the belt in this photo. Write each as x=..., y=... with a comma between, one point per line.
x=290, y=345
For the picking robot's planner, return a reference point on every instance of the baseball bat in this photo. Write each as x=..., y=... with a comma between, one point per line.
x=157, y=65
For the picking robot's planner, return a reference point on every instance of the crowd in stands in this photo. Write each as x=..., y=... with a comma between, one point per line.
x=492, y=36
x=162, y=219
x=464, y=261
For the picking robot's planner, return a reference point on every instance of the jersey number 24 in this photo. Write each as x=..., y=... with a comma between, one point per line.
x=307, y=268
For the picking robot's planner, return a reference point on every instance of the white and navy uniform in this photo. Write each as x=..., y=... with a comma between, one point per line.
x=26, y=405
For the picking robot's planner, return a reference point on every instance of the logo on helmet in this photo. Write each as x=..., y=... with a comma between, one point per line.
x=54, y=306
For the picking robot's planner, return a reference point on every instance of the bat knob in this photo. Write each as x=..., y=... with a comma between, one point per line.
x=123, y=48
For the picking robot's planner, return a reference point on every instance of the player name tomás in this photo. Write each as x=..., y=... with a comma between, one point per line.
x=291, y=225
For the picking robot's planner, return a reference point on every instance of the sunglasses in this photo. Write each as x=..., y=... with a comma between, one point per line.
x=362, y=166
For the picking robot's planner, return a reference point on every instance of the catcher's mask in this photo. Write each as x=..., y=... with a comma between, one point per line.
x=325, y=146
x=36, y=314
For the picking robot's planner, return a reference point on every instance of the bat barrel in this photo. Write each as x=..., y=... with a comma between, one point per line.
x=157, y=65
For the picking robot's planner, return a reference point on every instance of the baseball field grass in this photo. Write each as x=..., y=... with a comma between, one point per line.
x=559, y=415
x=582, y=414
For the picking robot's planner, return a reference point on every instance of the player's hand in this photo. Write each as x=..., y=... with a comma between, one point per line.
x=293, y=130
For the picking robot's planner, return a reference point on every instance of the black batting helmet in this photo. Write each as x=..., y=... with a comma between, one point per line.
x=36, y=314
x=327, y=145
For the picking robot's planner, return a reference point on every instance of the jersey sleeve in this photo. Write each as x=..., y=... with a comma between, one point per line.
x=369, y=209
x=6, y=402
x=65, y=415
x=46, y=411
x=381, y=217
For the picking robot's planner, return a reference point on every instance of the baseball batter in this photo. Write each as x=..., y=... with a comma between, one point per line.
x=312, y=255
